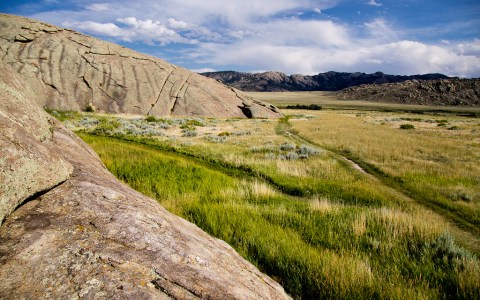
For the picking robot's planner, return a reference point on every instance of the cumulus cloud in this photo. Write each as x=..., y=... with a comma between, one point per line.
x=292, y=36
x=104, y=29
x=131, y=29
x=176, y=24
x=149, y=31
x=401, y=57
x=374, y=3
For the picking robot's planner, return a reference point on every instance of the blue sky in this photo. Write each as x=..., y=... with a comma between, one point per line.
x=291, y=36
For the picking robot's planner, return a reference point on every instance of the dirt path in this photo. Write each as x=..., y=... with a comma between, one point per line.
x=465, y=238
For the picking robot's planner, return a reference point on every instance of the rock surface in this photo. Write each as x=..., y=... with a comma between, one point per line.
x=28, y=163
x=78, y=72
x=444, y=92
x=89, y=236
x=329, y=81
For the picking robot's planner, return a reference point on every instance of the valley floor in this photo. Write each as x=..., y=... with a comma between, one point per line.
x=330, y=203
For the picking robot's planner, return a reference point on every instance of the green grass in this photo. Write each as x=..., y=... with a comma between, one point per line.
x=342, y=236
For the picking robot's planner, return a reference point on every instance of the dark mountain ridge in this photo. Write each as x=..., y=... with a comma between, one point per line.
x=328, y=81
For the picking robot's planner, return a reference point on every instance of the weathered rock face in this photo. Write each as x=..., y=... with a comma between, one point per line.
x=76, y=71
x=28, y=164
x=451, y=92
x=88, y=235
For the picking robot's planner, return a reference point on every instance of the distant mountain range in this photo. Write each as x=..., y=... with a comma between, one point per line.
x=329, y=81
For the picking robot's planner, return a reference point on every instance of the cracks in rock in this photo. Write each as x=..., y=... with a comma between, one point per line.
x=77, y=42
x=50, y=85
x=158, y=65
x=24, y=39
x=106, y=94
x=90, y=63
x=8, y=50
x=173, y=289
x=103, y=71
x=33, y=197
x=161, y=90
x=86, y=82
x=178, y=93
x=62, y=58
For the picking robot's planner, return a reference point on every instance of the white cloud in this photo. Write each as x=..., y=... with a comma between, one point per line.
x=402, y=57
x=175, y=24
x=98, y=7
x=471, y=48
x=105, y=29
x=374, y=3
x=133, y=29
x=255, y=35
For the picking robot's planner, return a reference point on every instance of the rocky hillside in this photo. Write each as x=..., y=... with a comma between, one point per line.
x=451, y=92
x=78, y=72
x=70, y=230
x=329, y=81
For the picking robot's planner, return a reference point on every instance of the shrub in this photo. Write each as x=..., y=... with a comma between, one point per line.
x=287, y=147
x=216, y=139
x=106, y=126
x=302, y=106
x=242, y=133
x=307, y=150
x=454, y=128
x=187, y=127
x=151, y=119
x=291, y=156
x=195, y=122
x=407, y=126
x=189, y=133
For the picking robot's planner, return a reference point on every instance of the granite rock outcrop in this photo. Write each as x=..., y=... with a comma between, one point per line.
x=443, y=92
x=77, y=72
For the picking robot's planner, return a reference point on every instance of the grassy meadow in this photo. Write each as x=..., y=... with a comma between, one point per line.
x=331, y=203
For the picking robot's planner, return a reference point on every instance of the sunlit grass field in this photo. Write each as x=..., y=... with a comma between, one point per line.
x=284, y=195
x=437, y=162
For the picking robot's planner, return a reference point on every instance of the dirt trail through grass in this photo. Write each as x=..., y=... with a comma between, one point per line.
x=467, y=237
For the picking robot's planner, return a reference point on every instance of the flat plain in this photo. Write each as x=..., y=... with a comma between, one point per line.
x=344, y=202
x=330, y=100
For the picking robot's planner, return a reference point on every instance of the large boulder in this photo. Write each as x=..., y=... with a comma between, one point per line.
x=71, y=230
x=78, y=72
